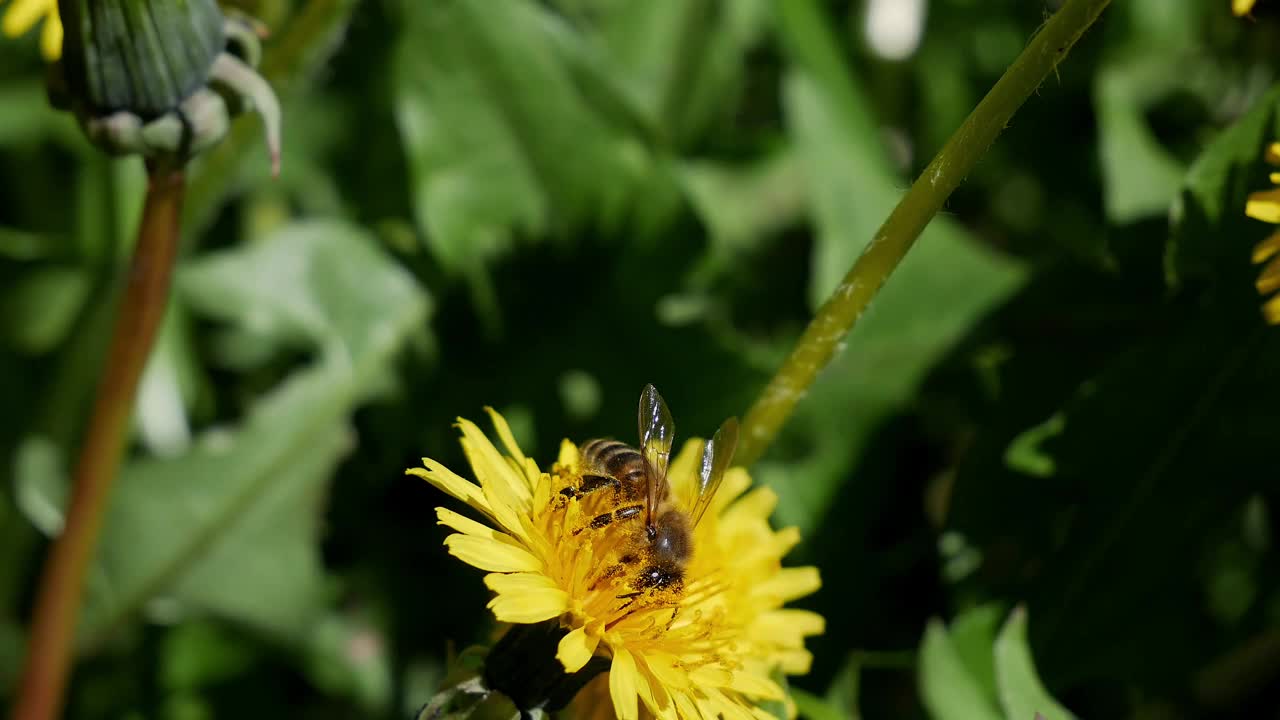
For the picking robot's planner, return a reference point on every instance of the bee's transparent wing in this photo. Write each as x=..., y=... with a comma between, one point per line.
x=657, y=431
x=716, y=458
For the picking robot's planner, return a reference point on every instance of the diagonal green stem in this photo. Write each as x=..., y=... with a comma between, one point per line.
x=52, y=639
x=841, y=311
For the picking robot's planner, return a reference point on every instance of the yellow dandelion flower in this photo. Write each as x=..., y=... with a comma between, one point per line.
x=1265, y=206
x=22, y=15
x=1242, y=7
x=703, y=647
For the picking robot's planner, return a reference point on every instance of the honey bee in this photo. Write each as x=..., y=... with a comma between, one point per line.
x=663, y=544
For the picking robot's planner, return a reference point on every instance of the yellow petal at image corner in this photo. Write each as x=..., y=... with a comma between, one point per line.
x=22, y=15
x=1242, y=7
x=576, y=648
x=623, y=680
x=492, y=555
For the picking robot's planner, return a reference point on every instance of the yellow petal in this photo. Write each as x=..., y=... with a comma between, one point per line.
x=623, y=678
x=446, y=480
x=1264, y=250
x=786, y=539
x=569, y=456
x=1242, y=7
x=466, y=525
x=530, y=606
x=793, y=662
x=1271, y=311
x=51, y=38
x=22, y=15
x=492, y=555
x=519, y=582
x=576, y=649
x=523, y=463
x=1264, y=206
x=789, y=584
x=655, y=697
x=685, y=706
x=507, y=491
x=1269, y=280
x=664, y=668
x=758, y=503
x=756, y=686
x=787, y=626
x=710, y=676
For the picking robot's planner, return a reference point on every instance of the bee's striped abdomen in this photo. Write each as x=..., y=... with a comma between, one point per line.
x=619, y=462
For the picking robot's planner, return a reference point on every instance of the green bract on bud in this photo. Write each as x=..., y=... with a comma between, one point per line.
x=160, y=78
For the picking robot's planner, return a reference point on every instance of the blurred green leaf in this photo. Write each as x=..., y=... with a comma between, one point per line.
x=502, y=143
x=1141, y=177
x=972, y=635
x=197, y=654
x=948, y=687
x=744, y=206
x=40, y=483
x=968, y=672
x=38, y=310
x=231, y=526
x=349, y=656
x=1021, y=693
x=26, y=118
x=169, y=386
x=682, y=60
x=318, y=284
x=812, y=707
x=1211, y=236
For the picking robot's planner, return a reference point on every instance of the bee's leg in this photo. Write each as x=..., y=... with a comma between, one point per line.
x=590, y=484
x=610, y=572
x=603, y=519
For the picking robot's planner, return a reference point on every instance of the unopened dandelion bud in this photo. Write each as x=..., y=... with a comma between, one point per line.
x=159, y=78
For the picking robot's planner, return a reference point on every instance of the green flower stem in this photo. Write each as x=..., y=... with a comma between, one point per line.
x=52, y=640
x=841, y=311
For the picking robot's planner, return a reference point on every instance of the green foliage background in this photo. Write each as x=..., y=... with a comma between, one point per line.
x=1064, y=401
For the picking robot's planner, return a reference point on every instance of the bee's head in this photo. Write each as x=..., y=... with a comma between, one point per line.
x=659, y=576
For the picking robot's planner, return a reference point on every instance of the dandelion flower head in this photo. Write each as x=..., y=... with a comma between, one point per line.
x=703, y=648
x=1265, y=206
x=22, y=15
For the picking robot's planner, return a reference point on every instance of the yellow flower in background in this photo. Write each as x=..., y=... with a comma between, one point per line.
x=22, y=15
x=703, y=649
x=1265, y=206
x=1242, y=7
